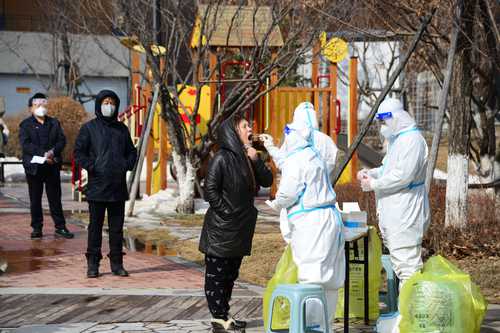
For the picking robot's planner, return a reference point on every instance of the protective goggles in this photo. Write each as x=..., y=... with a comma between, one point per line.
x=39, y=101
x=287, y=130
x=383, y=116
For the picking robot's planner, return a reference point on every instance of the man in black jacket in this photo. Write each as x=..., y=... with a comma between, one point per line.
x=104, y=148
x=43, y=137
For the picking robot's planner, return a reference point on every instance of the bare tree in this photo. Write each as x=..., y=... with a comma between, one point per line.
x=460, y=119
x=270, y=37
x=487, y=96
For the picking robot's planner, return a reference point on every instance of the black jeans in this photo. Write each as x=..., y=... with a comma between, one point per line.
x=51, y=177
x=220, y=274
x=116, y=216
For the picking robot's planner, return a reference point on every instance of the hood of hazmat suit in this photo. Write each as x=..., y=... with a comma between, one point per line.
x=402, y=201
x=305, y=116
x=305, y=191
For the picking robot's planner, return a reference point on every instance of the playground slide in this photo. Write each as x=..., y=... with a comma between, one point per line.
x=369, y=157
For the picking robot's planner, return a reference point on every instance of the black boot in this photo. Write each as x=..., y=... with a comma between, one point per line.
x=93, y=265
x=238, y=324
x=36, y=233
x=116, y=262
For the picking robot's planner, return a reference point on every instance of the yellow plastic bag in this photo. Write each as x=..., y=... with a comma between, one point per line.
x=356, y=281
x=441, y=299
x=285, y=273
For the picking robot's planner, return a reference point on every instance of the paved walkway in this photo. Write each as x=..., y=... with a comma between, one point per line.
x=39, y=270
x=45, y=288
x=19, y=192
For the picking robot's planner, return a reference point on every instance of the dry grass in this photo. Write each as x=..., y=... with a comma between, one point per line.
x=485, y=273
x=478, y=239
x=82, y=217
x=257, y=268
x=188, y=250
x=266, y=251
x=157, y=235
x=13, y=148
x=185, y=220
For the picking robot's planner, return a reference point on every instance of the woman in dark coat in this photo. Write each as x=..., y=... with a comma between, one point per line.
x=230, y=187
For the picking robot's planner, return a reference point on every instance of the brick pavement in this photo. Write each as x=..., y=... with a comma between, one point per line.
x=56, y=262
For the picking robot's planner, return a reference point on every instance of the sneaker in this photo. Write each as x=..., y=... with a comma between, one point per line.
x=63, y=232
x=36, y=234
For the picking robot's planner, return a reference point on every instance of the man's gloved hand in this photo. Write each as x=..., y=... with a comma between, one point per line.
x=267, y=140
x=366, y=184
x=49, y=157
x=49, y=154
x=273, y=205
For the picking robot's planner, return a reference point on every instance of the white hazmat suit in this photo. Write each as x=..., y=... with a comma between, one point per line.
x=315, y=225
x=304, y=116
x=402, y=202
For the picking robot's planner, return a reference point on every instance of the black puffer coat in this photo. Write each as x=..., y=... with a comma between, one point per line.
x=29, y=139
x=230, y=221
x=104, y=148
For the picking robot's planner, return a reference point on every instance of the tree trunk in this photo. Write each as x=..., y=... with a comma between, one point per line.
x=185, y=180
x=184, y=167
x=489, y=167
x=460, y=119
x=496, y=167
x=443, y=102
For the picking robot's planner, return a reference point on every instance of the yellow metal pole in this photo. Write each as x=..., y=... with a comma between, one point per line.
x=163, y=154
x=149, y=164
x=333, y=101
x=353, y=111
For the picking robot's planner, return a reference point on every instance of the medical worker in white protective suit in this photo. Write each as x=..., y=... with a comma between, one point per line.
x=402, y=202
x=303, y=116
x=315, y=231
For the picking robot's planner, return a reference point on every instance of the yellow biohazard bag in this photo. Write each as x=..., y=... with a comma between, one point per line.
x=285, y=273
x=356, y=280
x=441, y=298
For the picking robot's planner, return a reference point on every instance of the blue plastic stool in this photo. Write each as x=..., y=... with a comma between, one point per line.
x=391, y=298
x=298, y=295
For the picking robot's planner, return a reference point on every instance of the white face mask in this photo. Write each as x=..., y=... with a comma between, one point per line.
x=107, y=110
x=40, y=111
x=385, y=131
